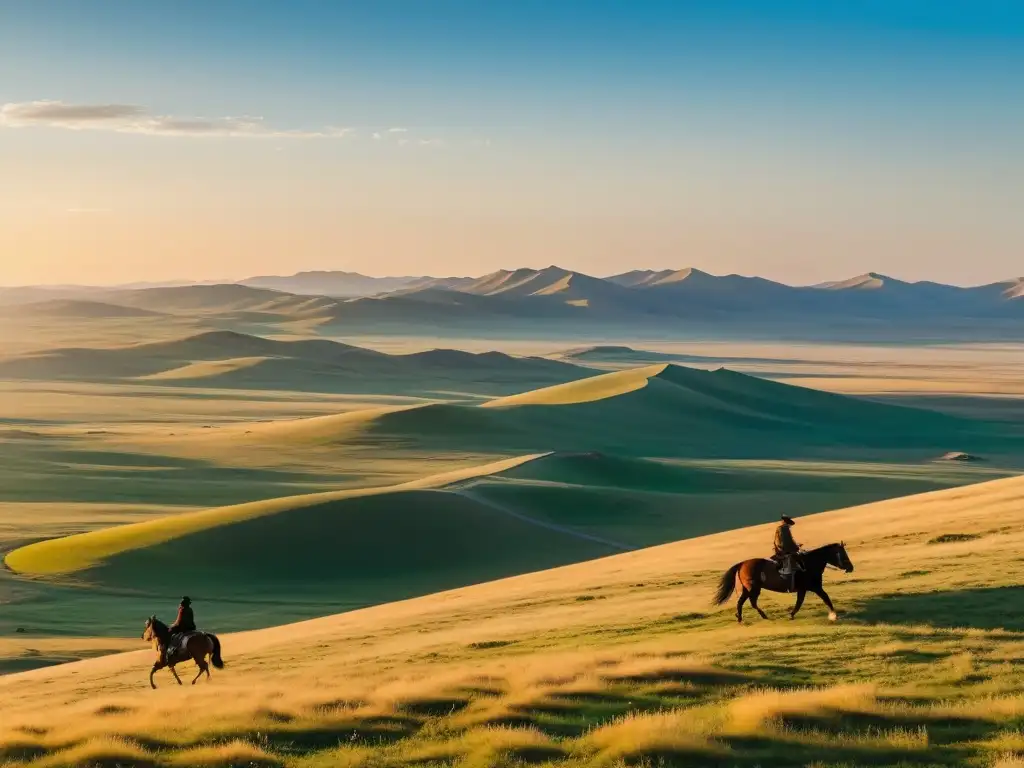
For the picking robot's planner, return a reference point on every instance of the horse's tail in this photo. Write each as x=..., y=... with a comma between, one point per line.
x=215, y=659
x=727, y=585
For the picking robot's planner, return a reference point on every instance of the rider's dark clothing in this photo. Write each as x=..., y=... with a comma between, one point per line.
x=786, y=551
x=784, y=542
x=185, y=622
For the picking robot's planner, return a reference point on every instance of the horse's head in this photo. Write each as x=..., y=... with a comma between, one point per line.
x=154, y=629
x=839, y=558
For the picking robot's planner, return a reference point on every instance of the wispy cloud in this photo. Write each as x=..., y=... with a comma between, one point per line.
x=128, y=118
x=398, y=130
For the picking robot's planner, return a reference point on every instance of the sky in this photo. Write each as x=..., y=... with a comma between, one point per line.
x=801, y=140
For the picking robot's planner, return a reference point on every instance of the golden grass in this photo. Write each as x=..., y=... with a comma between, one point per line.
x=756, y=711
x=648, y=671
x=232, y=753
x=583, y=391
x=205, y=369
x=104, y=750
x=679, y=732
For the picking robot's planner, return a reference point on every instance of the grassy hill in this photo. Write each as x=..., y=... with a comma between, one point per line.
x=362, y=546
x=359, y=546
x=228, y=359
x=656, y=411
x=665, y=410
x=616, y=661
x=76, y=309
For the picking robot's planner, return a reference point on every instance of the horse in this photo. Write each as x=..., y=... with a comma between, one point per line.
x=197, y=646
x=758, y=573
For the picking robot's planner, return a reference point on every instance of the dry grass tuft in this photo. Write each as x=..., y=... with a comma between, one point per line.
x=767, y=709
x=105, y=751
x=677, y=733
x=234, y=753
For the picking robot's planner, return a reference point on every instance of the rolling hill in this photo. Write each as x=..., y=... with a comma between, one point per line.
x=368, y=545
x=220, y=299
x=331, y=283
x=619, y=659
x=77, y=309
x=229, y=359
x=620, y=355
x=658, y=410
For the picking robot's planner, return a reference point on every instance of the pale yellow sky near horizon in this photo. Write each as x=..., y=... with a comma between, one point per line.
x=99, y=247
x=106, y=208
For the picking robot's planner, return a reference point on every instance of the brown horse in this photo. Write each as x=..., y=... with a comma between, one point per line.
x=757, y=574
x=197, y=646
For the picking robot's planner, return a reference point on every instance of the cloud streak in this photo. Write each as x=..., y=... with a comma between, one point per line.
x=128, y=118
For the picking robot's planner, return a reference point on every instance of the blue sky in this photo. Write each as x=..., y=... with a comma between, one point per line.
x=798, y=140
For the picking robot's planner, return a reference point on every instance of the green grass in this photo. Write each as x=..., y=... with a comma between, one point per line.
x=313, y=554
x=88, y=550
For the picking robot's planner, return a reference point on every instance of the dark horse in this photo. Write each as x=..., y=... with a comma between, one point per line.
x=197, y=646
x=757, y=574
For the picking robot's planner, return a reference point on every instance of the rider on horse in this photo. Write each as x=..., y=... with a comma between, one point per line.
x=787, y=550
x=184, y=623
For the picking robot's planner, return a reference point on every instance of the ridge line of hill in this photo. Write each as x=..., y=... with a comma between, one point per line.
x=555, y=294
x=68, y=554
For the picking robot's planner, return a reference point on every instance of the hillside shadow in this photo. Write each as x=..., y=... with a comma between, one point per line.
x=985, y=608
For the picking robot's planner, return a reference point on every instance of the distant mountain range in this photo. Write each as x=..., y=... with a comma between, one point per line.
x=339, y=302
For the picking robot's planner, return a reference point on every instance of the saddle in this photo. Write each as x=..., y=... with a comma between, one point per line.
x=176, y=642
x=795, y=560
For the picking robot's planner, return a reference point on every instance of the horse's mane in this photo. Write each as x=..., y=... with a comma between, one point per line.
x=160, y=629
x=833, y=545
x=824, y=551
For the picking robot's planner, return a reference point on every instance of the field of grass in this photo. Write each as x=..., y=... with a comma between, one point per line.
x=303, y=556
x=281, y=480
x=617, y=661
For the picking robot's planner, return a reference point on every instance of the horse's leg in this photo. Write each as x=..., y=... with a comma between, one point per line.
x=174, y=672
x=200, y=660
x=754, y=594
x=156, y=667
x=820, y=592
x=739, y=604
x=799, y=601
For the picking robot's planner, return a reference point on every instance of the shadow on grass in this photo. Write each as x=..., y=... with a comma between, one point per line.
x=945, y=730
x=765, y=751
x=991, y=608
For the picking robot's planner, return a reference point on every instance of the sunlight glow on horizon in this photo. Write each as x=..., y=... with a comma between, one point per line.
x=811, y=143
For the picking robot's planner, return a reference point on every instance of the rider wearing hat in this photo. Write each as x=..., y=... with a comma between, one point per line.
x=786, y=549
x=185, y=622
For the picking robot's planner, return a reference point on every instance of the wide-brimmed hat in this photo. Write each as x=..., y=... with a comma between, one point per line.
x=185, y=601
x=788, y=520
